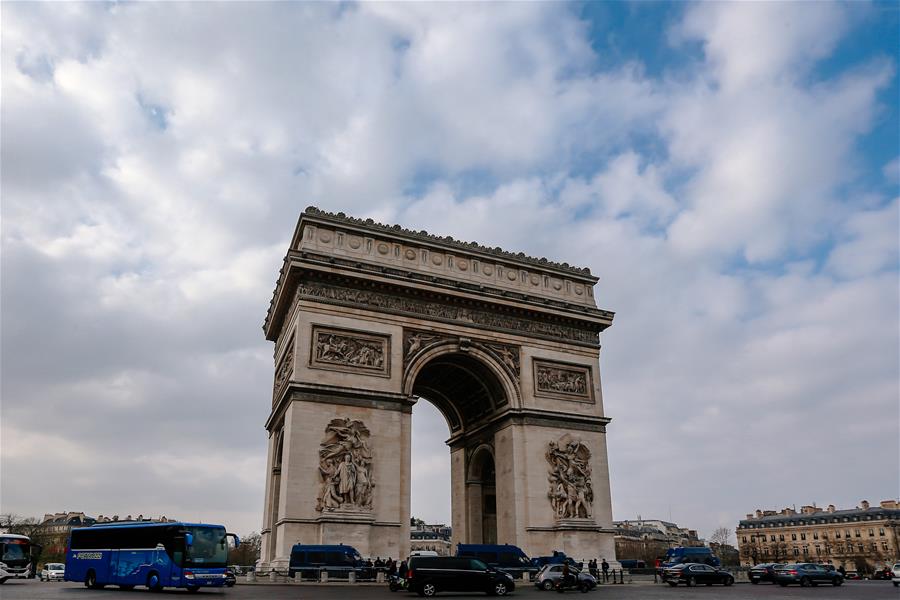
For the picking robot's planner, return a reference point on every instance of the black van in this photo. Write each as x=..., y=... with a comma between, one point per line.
x=428, y=575
x=338, y=560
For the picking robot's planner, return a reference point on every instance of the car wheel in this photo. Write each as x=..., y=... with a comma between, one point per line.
x=804, y=582
x=782, y=584
x=429, y=590
x=754, y=581
x=729, y=581
x=692, y=581
x=193, y=590
x=153, y=583
x=500, y=589
x=838, y=581
x=673, y=583
x=585, y=588
x=547, y=585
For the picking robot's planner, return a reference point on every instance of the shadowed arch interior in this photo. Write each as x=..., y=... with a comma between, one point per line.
x=462, y=387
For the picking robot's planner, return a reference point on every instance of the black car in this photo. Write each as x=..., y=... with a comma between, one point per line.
x=230, y=579
x=763, y=572
x=428, y=575
x=692, y=574
x=806, y=574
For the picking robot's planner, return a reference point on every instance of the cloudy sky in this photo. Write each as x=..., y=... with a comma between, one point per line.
x=729, y=171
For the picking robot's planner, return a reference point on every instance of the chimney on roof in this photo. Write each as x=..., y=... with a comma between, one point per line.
x=864, y=504
x=831, y=508
x=807, y=509
x=759, y=513
x=749, y=515
x=889, y=504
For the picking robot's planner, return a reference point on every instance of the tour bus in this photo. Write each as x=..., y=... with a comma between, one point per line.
x=15, y=556
x=309, y=559
x=157, y=555
x=700, y=554
x=503, y=556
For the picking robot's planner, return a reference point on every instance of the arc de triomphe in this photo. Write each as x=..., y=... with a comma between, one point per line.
x=366, y=320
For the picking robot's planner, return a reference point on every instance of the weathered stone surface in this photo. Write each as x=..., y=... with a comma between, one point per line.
x=368, y=319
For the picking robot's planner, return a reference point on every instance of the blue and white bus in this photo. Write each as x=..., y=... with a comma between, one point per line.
x=15, y=556
x=157, y=555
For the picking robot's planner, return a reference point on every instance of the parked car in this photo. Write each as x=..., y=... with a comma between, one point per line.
x=499, y=556
x=895, y=574
x=852, y=575
x=763, y=572
x=632, y=563
x=557, y=558
x=230, y=579
x=806, y=574
x=428, y=575
x=692, y=574
x=882, y=574
x=53, y=572
x=548, y=576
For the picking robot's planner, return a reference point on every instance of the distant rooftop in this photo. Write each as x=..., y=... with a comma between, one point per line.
x=886, y=509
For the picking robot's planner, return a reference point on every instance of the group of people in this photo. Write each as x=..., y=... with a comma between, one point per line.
x=387, y=565
x=604, y=567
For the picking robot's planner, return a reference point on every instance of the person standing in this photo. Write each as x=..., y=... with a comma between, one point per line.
x=605, y=567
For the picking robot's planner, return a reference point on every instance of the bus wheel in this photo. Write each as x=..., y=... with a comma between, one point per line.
x=193, y=589
x=153, y=583
x=127, y=588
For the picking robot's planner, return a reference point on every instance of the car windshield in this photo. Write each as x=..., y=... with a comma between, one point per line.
x=55, y=567
x=209, y=547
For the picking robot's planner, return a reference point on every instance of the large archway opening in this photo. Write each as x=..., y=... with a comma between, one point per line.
x=465, y=392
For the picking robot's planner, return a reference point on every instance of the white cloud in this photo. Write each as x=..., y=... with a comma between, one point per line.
x=153, y=174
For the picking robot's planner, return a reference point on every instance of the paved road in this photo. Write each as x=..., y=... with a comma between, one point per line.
x=854, y=590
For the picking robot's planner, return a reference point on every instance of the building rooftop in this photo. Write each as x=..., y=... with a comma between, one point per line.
x=888, y=509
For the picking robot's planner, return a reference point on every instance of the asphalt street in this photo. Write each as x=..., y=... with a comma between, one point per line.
x=854, y=590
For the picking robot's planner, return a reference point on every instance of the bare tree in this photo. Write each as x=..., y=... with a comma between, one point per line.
x=248, y=552
x=720, y=536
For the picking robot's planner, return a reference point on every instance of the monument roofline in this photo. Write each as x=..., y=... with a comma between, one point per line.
x=424, y=237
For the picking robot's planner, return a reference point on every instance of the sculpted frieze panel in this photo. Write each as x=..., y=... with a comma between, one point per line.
x=348, y=350
x=345, y=467
x=285, y=366
x=314, y=290
x=571, y=491
x=562, y=380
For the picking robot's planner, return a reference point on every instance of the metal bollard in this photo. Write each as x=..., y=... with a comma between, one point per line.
x=251, y=577
x=273, y=576
x=526, y=576
x=323, y=576
x=379, y=577
x=351, y=577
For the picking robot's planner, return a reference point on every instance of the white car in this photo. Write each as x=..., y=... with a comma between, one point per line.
x=53, y=572
x=895, y=574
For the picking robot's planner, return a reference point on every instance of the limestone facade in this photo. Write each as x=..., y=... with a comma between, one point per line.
x=860, y=538
x=368, y=319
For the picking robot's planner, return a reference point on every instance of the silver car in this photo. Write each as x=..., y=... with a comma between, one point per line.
x=53, y=572
x=550, y=574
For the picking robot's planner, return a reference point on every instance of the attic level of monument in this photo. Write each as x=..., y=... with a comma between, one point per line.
x=325, y=243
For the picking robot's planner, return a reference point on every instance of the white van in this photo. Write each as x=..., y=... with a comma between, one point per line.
x=423, y=553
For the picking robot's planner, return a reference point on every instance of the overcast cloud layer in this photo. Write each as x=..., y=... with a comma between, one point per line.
x=729, y=171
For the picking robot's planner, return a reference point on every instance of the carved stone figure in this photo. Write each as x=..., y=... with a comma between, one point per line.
x=285, y=366
x=571, y=493
x=348, y=350
x=345, y=466
x=562, y=380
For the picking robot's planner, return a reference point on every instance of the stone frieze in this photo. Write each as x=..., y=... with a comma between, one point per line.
x=314, y=290
x=347, y=350
x=561, y=380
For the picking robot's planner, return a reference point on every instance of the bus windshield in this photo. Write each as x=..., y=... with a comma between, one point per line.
x=15, y=550
x=209, y=547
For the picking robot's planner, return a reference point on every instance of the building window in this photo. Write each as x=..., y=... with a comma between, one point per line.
x=773, y=537
x=802, y=536
x=818, y=549
x=837, y=535
x=839, y=549
x=824, y=535
x=815, y=535
x=884, y=546
x=796, y=552
x=766, y=550
x=780, y=537
x=871, y=533
x=862, y=548
x=857, y=533
x=881, y=531
x=744, y=539
x=847, y=533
